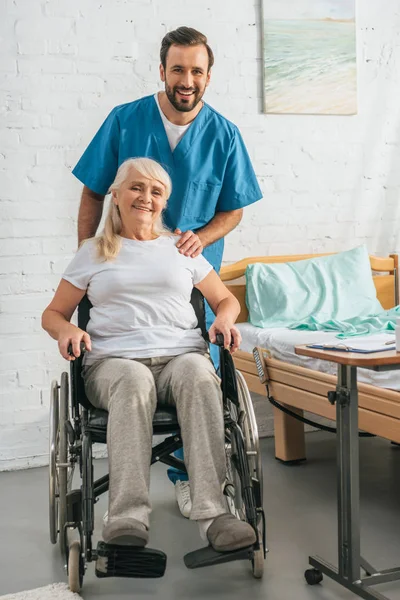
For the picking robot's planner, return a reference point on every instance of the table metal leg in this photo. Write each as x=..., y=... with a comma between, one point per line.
x=357, y=587
x=348, y=474
x=350, y=561
x=367, y=567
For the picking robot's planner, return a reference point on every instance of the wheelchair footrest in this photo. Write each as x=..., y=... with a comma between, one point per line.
x=129, y=561
x=207, y=557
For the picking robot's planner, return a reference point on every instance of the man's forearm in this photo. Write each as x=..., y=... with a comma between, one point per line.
x=90, y=211
x=219, y=226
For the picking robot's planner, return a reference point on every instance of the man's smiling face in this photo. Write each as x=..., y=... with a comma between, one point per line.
x=186, y=76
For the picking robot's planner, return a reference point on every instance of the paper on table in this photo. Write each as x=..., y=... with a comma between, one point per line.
x=372, y=343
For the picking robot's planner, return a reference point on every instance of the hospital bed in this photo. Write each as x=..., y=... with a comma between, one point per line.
x=300, y=384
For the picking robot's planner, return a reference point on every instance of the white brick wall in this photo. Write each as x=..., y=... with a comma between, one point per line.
x=329, y=182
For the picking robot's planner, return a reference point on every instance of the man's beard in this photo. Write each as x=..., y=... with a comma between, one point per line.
x=182, y=104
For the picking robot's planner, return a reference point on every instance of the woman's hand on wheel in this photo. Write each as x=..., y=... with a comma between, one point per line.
x=74, y=336
x=232, y=337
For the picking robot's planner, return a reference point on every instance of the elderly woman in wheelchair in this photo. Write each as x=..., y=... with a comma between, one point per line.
x=143, y=349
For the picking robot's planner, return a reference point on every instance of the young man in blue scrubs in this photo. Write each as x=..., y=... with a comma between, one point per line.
x=212, y=176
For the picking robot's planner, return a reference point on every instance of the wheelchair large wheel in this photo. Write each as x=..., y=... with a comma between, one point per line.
x=60, y=469
x=250, y=431
x=53, y=449
x=63, y=464
x=252, y=446
x=252, y=449
x=233, y=487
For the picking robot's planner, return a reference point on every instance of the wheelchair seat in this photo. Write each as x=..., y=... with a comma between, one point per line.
x=165, y=421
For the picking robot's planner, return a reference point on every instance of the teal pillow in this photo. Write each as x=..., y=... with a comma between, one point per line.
x=339, y=286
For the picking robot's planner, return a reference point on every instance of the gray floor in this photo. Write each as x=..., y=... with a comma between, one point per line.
x=300, y=503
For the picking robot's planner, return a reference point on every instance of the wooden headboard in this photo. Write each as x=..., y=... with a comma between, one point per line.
x=384, y=273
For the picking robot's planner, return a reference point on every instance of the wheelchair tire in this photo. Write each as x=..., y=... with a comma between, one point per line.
x=250, y=431
x=53, y=451
x=63, y=470
x=252, y=444
x=233, y=487
x=75, y=567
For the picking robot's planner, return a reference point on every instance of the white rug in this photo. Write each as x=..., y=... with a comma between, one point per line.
x=55, y=591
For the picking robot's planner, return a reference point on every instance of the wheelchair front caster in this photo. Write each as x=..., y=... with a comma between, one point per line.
x=313, y=576
x=257, y=563
x=75, y=567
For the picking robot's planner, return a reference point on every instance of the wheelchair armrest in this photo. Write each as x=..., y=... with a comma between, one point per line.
x=82, y=347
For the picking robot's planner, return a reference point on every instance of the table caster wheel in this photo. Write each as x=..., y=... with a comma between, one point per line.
x=313, y=576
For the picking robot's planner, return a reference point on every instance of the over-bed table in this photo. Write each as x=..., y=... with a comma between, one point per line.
x=350, y=561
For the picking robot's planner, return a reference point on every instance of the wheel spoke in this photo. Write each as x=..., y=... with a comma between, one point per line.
x=71, y=471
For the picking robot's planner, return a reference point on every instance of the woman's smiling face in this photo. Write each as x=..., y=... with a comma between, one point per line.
x=140, y=200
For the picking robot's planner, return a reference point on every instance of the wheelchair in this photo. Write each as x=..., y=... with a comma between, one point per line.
x=75, y=425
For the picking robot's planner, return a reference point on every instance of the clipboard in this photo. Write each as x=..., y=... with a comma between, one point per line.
x=345, y=348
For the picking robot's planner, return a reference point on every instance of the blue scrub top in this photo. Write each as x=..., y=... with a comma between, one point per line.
x=210, y=169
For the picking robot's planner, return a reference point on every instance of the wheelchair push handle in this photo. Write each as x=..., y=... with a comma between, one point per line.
x=220, y=340
x=82, y=348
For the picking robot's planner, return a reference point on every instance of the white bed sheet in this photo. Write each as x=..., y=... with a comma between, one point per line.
x=281, y=342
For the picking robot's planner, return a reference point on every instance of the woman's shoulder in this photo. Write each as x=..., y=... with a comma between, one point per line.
x=167, y=240
x=174, y=238
x=87, y=246
x=87, y=251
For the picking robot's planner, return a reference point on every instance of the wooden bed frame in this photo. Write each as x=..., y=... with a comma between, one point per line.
x=301, y=389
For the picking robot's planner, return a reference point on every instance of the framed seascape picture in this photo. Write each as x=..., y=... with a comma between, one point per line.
x=309, y=52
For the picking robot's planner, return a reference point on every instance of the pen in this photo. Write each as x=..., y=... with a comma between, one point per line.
x=390, y=342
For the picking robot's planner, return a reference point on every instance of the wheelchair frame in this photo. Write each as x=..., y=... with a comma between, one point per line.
x=72, y=434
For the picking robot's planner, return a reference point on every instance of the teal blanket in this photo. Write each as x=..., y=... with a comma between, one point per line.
x=327, y=293
x=384, y=321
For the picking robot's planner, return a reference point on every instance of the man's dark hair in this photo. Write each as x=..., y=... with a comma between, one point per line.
x=184, y=36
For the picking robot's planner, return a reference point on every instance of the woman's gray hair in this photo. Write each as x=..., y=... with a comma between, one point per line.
x=109, y=242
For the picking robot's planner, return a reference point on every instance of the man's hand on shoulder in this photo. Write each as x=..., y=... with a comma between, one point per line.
x=189, y=243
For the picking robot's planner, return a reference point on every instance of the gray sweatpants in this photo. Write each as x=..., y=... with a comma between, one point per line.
x=130, y=390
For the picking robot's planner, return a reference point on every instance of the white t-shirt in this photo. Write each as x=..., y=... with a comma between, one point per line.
x=174, y=132
x=141, y=299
